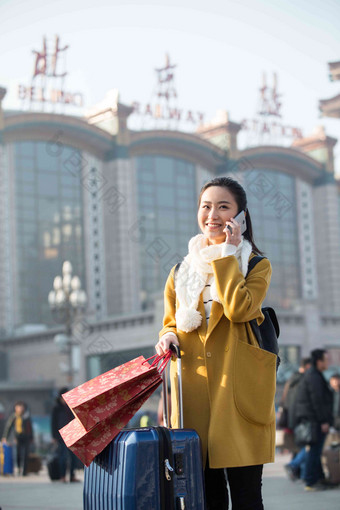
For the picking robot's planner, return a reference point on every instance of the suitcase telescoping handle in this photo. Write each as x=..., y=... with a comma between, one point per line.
x=166, y=414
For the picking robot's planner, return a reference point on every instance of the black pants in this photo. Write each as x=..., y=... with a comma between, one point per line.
x=23, y=446
x=245, y=485
x=67, y=459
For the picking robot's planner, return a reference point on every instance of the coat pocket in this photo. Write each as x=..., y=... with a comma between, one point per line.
x=255, y=383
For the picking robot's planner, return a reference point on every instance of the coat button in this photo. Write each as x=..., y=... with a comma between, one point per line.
x=208, y=354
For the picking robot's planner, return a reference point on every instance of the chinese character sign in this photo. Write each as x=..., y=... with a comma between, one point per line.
x=48, y=76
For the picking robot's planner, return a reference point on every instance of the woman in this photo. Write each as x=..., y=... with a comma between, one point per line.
x=20, y=423
x=228, y=381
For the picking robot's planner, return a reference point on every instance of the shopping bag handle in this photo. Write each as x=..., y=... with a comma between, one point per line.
x=166, y=359
x=163, y=360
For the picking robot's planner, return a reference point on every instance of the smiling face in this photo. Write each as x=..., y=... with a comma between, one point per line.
x=217, y=206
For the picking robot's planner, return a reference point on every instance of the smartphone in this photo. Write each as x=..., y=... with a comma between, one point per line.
x=241, y=219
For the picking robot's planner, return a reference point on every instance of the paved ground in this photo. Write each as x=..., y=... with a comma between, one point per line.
x=37, y=492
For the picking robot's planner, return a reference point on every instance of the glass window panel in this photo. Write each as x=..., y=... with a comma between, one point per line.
x=26, y=149
x=167, y=220
x=165, y=196
x=184, y=168
x=29, y=227
x=39, y=260
x=28, y=176
x=67, y=179
x=27, y=239
x=185, y=205
x=29, y=214
x=26, y=201
x=146, y=187
x=164, y=170
x=47, y=184
x=48, y=209
x=26, y=165
x=148, y=176
x=146, y=163
x=25, y=188
x=185, y=191
x=163, y=205
x=146, y=199
x=182, y=180
x=68, y=192
x=165, y=176
x=274, y=216
x=46, y=162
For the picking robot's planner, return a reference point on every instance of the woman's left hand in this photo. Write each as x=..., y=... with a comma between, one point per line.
x=233, y=237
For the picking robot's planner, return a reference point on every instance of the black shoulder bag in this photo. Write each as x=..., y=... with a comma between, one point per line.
x=269, y=331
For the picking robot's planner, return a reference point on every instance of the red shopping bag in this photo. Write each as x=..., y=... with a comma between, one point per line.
x=99, y=398
x=87, y=444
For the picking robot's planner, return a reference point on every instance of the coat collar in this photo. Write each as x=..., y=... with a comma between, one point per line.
x=216, y=313
x=215, y=316
x=202, y=330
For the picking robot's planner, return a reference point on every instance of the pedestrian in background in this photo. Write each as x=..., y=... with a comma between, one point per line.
x=228, y=381
x=61, y=416
x=334, y=432
x=334, y=382
x=20, y=424
x=314, y=403
x=296, y=467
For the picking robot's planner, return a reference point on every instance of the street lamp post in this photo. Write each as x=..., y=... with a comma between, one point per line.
x=66, y=299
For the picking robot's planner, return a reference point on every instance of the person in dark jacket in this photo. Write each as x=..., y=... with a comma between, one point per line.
x=61, y=416
x=293, y=384
x=20, y=423
x=296, y=467
x=314, y=403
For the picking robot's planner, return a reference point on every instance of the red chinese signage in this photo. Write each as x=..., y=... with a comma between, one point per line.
x=48, y=78
x=45, y=66
x=266, y=124
x=165, y=107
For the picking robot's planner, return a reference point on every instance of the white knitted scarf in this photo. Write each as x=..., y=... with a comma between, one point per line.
x=193, y=273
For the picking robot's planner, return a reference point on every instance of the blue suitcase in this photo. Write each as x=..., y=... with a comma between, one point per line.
x=6, y=459
x=153, y=468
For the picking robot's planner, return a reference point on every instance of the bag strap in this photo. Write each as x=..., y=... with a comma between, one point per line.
x=273, y=318
x=252, y=263
x=257, y=332
x=253, y=323
x=271, y=312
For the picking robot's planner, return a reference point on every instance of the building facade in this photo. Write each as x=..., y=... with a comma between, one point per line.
x=121, y=206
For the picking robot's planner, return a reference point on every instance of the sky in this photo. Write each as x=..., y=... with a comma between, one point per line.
x=221, y=48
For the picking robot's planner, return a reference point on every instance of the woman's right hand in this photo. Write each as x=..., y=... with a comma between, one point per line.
x=163, y=344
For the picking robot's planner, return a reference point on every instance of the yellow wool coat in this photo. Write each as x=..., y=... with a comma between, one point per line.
x=228, y=381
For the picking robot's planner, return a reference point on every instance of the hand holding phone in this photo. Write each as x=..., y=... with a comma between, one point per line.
x=241, y=219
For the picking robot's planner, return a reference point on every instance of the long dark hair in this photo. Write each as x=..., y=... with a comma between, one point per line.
x=241, y=199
